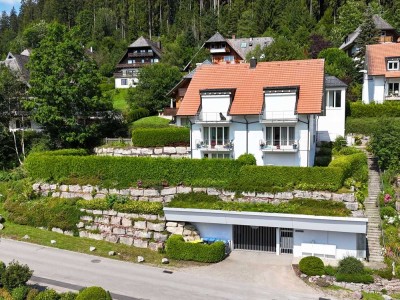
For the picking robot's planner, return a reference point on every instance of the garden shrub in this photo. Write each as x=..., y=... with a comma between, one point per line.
x=15, y=275
x=5, y=295
x=350, y=265
x=354, y=165
x=93, y=292
x=311, y=266
x=68, y=296
x=375, y=110
x=178, y=249
x=48, y=294
x=2, y=268
x=355, y=278
x=140, y=207
x=64, y=152
x=151, y=122
x=19, y=293
x=322, y=161
x=247, y=159
x=32, y=293
x=363, y=126
x=385, y=273
x=95, y=204
x=330, y=270
x=339, y=143
x=388, y=211
x=137, y=113
x=160, y=137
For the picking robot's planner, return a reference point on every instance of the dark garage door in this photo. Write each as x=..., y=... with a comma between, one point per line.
x=254, y=238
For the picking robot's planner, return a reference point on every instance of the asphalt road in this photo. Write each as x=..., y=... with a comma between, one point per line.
x=65, y=270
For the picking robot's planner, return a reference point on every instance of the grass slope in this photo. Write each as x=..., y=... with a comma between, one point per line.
x=151, y=122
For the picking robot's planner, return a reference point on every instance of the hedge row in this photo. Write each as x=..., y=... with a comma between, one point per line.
x=365, y=126
x=373, y=110
x=160, y=137
x=178, y=249
x=65, y=152
x=354, y=165
x=355, y=278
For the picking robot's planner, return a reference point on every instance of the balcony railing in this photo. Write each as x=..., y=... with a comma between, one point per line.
x=219, y=50
x=213, y=117
x=170, y=111
x=214, y=145
x=278, y=117
x=135, y=65
x=393, y=96
x=126, y=75
x=140, y=54
x=386, y=39
x=278, y=146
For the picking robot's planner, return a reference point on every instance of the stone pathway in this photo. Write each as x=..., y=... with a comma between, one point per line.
x=372, y=211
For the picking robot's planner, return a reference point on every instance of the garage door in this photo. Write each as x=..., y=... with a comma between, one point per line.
x=254, y=238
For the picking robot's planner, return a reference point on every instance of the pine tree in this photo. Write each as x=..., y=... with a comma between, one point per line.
x=369, y=34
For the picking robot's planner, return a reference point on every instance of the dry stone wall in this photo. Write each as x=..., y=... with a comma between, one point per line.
x=173, y=152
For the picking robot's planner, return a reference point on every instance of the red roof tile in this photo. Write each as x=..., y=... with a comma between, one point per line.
x=376, y=58
x=249, y=84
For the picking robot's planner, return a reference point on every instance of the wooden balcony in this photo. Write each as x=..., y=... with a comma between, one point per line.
x=141, y=54
x=170, y=111
x=385, y=39
x=135, y=65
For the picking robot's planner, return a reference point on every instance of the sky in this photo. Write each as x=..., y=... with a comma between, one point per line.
x=8, y=4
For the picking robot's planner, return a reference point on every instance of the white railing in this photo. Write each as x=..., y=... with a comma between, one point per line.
x=213, y=117
x=278, y=116
x=216, y=145
x=277, y=146
x=219, y=50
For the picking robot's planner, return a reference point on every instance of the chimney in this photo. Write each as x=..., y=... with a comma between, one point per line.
x=253, y=62
x=233, y=36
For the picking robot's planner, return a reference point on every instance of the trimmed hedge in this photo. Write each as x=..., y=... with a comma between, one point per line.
x=178, y=249
x=65, y=152
x=160, y=137
x=272, y=179
x=354, y=165
x=350, y=265
x=93, y=292
x=311, y=266
x=355, y=278
x=373, y=110
x=365, y=126
x=151, y=122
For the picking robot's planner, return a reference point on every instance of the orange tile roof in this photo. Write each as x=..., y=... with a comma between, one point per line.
x=249, y=84
x=376, y=59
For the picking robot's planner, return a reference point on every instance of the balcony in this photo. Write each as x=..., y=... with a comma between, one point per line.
x=170, y=111
x=385, y=39
x=214, y=145
x=135, y=65
x=278, y=117
x=291, y=147
x=141, y=54
x=393, y=96
x=219, y=50
x=126, y=75
x=213, y=117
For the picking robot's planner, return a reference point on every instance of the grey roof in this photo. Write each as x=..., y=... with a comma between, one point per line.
x=143, y=42
x=17, y=63
x=332, y=81
x=217, y=37
x=244, y=45
x=191, y=73
x=380, y=24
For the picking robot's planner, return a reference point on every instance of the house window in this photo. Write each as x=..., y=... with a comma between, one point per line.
x=279, y=136
x=393, y=65
x=130, y=61
x=243, y=45
x=393, y=88
x=216, y=136
x=228, y=58
x=333, y=98
x=124, y=81
x=217, y=155
x=156, y=60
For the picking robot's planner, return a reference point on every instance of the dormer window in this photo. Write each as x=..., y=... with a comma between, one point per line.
x=393, y=65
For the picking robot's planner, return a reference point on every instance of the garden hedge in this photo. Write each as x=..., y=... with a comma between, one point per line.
x=93, y=292
x=160, y=137
x=311, y=266
x=354, y=165
x=355, y=278
x=373, y=110
x=178, y=249
x=365, y=126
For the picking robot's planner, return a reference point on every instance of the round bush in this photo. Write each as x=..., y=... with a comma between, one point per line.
x=15, y=275
x=20, y=293
x=32, y=294
x=247, y=159
x=47, y=295
x=2, y=268
x=312, y=266
x=350, y=265
x=68, y=296
x=93, y=292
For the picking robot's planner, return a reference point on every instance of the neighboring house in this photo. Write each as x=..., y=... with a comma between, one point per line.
x=233, y=51
x=388, y=34
x=140, y=53
x=269, y=109
x=17, y=64
x=382, y=74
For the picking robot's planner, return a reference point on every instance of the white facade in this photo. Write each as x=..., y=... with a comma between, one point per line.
x=376, y=89
x=332, y=124
x=125, y=83
x=15, y=125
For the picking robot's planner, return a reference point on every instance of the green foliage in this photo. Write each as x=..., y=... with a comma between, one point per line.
x=65, y=152
x=388, y=211
x=137, y=114
x=385, y=273
x=5, y=295
x=160, y=137
x=2, y=269
x=49, y=294
x=15, y=275
x=282, y=49
x=365, y=126
x=151, y=122
x=93, y=292
x=297, y=206
x=247, y=159
x=19, y=293
x=105, y=87
x=355, y=278
x=311, y=266
x=32, y=294
x=178, y=249
x=390, y=109
x=368, y=35
x=350, y=265
x=330, y=270
x=339, y=143
x=96, y=204
x=155, y=81
x=68, y=296
x=339, y=64
x=140, y=207
x=354, y=166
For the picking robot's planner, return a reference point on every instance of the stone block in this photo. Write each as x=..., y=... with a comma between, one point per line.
x=168, y=191
x=125, y=192
x=45, y=187
x=113, y=191
x=103, y=191
x=161, y=218
x=63, y=188
x=102, y=220
x=100, y=196
x=110, y=213
x=95, y=236
x=136, y=192
x=86, y=196
x=36, y=187
x=80, y=225
x=53, y=187
x=135, y=151
x=87, y=189
x=69, y=233
x=265, y=195
x=87, y=218
x=67, y=195
x=249, y=194
x=91, y=227
x=199, y=190
x=126, y=240
x=302, y=194
x=156, y=199
x=131, y=216
x=160, y=237
x=158, y=151
x=140, y=243
x=151, y=193
x=169, y=150
x=318, y=195
x=284, y=195
x=105, y=228
x=213, y=192
x=75, y=188
x=126, y=222
x=156, y=226
x=351, y=205
x=56, y=195
x=155, y=246
x=146, y=151
x=83, y=234
x=175, y=230
x=168, y=198
x=181, y=150
x=142, y=234
x=349, y=197
x=112, y=238
x=172, y=224
x=148, y=217
x=115, y=220
x=140, y=225
x=58, y=230
x=183, y=190
x=145, y=199
x=117, y=230
x=97, y=212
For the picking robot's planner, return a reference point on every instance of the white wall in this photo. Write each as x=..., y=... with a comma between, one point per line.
x=279, y=106
x=213, y=105
x=379, y=89
x=332, y=124
x=219, y=231
x=132, y=82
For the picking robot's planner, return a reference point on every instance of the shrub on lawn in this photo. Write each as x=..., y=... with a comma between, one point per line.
x=160, y=137
x=93, y=292
x=311, y=266
x=68, y=296
x=151, y=122
x=178, y=249
x=49, y=294
x=15, y=275
x=137, y=113
x=19, y=293
x=350, y=265
x=247, y=159
x=355, y=278
x=330, y=270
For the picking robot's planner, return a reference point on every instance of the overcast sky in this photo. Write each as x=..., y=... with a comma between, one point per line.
x=8, y=4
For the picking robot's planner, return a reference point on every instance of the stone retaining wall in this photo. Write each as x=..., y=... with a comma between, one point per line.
x=166, y=194
x=173, y=152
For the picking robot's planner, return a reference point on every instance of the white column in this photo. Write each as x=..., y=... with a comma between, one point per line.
x=278, y=245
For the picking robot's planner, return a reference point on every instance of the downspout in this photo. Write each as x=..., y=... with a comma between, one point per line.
x=191, y=138
x=247, y=135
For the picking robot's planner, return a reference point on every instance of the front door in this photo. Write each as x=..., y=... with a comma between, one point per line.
x=286, y=240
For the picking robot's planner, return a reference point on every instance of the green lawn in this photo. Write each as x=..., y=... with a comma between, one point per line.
x=118, y=97
x=372, y=296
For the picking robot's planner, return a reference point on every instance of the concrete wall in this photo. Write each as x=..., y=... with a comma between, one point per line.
x=219, y=231
x=173, y=152
x=132, y=82
x=379, y=89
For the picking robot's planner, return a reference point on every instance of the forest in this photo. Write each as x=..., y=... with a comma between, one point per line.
x=182, y=26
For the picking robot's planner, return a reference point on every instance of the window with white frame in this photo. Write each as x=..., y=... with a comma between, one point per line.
x=217, y=155
x=334, y=98
x=279, y=136
x=393, y=65
x=124, y=81
x=393, y=88
x=216, y=136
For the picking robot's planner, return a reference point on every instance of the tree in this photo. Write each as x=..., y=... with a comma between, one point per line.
x=247, y=25
x=155, y=81
x=318, y=43
x=369, y=35
x=350, y=17
x=338, y=64
x=66, y=99
x=282, y=49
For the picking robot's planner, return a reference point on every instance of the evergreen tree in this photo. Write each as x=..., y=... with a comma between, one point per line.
x=369, y=35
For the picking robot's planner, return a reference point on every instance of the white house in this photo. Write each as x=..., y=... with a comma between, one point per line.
x=273, y=110
x=382, y=73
